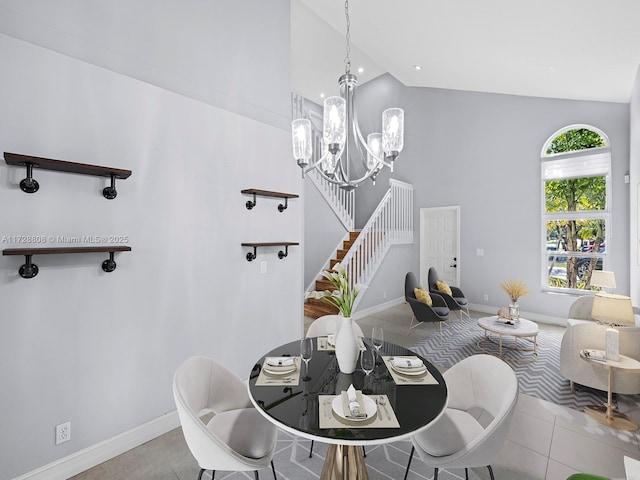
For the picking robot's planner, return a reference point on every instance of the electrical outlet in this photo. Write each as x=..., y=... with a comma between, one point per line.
x=63, y=433
x=486, y=297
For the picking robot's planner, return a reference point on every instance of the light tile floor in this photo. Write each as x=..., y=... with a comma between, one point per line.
x=546, y=441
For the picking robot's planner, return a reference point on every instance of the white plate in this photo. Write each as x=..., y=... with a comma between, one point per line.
x=369, y=406
x=278, y=370
x=409, y=371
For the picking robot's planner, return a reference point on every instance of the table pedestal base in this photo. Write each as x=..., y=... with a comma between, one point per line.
x=344, y=462
x=609, y=417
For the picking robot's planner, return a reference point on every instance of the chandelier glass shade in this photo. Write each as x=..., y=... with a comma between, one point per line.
x=341, y=132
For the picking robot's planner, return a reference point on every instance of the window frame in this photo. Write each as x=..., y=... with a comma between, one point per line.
x=605, y=214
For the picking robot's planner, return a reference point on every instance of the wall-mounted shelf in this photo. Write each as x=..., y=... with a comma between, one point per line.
x=30, y=270
x=266, y=193
x=281, y=254
x=30, y=185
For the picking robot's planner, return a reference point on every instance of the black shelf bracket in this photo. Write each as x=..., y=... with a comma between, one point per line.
x=252, y=256
x=109, y=265
x=281, y=207
x=282, y=254
x=28, y=270
x=29, y=184
x=110, y=192
x=250, y=204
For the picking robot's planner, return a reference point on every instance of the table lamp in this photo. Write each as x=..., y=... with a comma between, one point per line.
x=603, y=279
x=610, y=309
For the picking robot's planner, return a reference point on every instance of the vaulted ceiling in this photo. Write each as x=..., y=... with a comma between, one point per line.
x=575, y=49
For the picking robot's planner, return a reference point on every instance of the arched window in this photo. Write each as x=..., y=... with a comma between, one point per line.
x=576, y=212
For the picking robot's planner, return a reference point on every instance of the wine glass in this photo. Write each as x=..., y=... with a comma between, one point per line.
x=368, y=363
x=367, y=360
x=377, y=337
x=306, y=352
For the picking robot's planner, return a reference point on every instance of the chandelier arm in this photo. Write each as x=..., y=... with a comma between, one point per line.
x=363, y=142
x=318, y=163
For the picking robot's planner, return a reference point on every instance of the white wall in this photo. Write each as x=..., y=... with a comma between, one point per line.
x=98, y=349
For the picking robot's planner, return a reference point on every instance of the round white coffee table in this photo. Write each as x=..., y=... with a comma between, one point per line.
x=523, y=329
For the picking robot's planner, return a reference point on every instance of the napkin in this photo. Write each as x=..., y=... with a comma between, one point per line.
x=280, y=361
x=403, y=362
x=351, y=404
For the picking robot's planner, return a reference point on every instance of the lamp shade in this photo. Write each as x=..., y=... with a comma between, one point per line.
x=603, y=278
x=612, y=309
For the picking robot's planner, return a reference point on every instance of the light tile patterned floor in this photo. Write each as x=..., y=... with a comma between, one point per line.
x=546, y=441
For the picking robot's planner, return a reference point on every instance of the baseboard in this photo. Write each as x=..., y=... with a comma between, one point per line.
x=562, y=322
x=82, y=460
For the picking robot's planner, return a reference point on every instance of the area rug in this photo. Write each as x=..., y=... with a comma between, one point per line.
x=540, y=379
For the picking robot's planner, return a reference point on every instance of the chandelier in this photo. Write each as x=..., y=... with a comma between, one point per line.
x=341, y=131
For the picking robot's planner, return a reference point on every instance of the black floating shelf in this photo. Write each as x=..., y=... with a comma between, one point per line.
x=281, y=254
x=30, y=270
x=30, y=185
x=266, y=193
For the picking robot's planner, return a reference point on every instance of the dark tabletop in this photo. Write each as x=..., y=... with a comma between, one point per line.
x=295, y=407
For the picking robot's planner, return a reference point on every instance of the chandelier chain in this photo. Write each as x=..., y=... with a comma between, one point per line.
x=347, y=59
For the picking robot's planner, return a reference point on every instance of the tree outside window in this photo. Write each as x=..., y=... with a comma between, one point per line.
x=575, y=171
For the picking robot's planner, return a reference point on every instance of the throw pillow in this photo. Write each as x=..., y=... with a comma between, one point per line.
x=444, y=287
x=422, y=295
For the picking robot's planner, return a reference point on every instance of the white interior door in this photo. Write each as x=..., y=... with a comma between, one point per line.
x=440, y=243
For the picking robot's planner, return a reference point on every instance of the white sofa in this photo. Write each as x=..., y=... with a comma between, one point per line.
x=583, y=332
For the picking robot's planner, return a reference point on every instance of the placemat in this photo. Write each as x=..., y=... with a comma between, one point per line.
x=424, y=379
x=267, y=379
x=329, y=419
x=323, y=344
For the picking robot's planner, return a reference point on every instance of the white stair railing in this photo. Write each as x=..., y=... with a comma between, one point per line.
x=342, y=203
x=390, y=224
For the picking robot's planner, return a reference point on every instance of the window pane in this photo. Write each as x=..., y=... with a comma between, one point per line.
x=576, y=236
x=576, y=194
x=572, y=272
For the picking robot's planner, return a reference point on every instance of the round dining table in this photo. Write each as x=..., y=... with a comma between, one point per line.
x=295, y=407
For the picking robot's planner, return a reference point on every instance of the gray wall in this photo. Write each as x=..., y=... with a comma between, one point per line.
x=97, y=349
x=482, y=151
x=634, y=173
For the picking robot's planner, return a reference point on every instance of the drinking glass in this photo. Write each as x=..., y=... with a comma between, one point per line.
x=377, y=337
x=368, y=363
x=306, y=352
x=367, y=360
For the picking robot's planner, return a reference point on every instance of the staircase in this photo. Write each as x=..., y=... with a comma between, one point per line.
x=315, y=307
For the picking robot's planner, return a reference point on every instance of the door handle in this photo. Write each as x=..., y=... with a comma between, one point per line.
x=454, y=265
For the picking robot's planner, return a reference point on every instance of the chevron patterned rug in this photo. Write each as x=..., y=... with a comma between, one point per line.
x=540, y=379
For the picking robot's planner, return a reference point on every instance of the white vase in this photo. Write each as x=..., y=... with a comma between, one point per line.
x=347, y=350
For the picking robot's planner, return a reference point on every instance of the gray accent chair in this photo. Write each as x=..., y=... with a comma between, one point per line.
x=456, y=301
x=421, y=312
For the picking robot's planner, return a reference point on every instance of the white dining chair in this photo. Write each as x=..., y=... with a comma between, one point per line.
x=483, y=391
x=237, y=437
x=318, y=327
